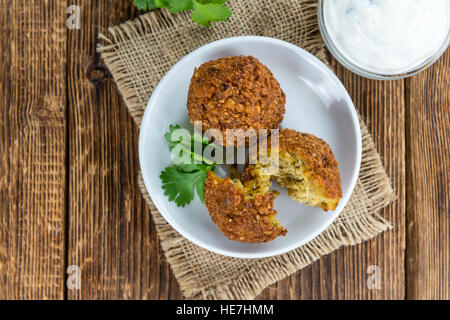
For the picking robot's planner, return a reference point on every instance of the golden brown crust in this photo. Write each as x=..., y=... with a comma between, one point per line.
x=235, y=93
x=318, y=157
x=239, y=218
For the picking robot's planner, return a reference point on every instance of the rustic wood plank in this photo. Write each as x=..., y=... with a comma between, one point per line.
x=340, y=275
x=343, y=274
x=111, y=235
x=32, y=141
x=382, y=105
x=428, y=177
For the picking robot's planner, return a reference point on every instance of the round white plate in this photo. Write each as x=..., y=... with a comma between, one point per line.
x=316, y=103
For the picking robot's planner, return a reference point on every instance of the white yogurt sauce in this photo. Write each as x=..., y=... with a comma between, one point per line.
x=387, y=36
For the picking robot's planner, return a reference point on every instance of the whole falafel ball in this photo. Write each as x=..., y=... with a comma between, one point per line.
x=235, y=93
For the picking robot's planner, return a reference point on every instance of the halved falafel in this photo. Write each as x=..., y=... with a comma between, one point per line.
x=302, y=163
x=240, y=215
x=235, y=93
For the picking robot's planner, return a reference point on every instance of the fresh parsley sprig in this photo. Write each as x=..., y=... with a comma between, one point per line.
x=180, y=180
x=203, y=11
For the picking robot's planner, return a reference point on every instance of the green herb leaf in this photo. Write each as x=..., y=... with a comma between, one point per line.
x=145, y=4
x=179, y=185
x=204, y=13
x=199, y=138
x=162, y=3
x=169, y=139
x=188, y=168
x=179, y=5
x=179, y=181
x=212, y=1
x=201, y=188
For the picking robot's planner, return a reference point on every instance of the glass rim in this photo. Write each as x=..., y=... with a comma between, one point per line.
x=367, y=73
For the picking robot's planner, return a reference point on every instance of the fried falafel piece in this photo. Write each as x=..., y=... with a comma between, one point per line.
x=235, y=93
x=302, y=163
x=241, y=216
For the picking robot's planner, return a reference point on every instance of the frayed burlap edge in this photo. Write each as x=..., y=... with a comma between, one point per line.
x=372, y=179
x=154, y=22
x=129, y=31
x=260, y=273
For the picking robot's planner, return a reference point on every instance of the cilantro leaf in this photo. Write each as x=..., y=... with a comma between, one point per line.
x=145, y=4
x=201, y=188
x=199, y=138
x=162, y=3
x=187, y=142
x=188, y=167
x=168, y=136
x=204, y=13
x=179, y=186
x=181, y=180
x=212, y=1
x=179, y=5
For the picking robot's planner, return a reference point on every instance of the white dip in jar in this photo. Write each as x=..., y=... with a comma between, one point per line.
x=387, y=36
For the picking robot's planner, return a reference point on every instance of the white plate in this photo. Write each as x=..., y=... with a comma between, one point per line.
x=316, y=103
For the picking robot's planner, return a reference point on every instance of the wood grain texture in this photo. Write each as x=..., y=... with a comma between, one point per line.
x=69, y=149
x=428, y=213
x=110, y=233
x=343, y=274
x=32, y=165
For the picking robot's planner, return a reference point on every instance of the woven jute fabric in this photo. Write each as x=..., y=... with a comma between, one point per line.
x=138, y=53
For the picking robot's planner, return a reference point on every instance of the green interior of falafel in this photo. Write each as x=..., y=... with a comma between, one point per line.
x=291, y=173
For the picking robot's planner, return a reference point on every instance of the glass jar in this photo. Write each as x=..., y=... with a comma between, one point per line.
x=340, y=57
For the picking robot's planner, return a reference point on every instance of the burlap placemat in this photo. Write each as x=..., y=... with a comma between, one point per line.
x=138, y=53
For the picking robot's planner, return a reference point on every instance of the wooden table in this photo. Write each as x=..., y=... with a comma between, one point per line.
x=69, y=161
